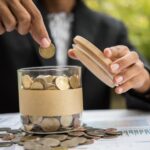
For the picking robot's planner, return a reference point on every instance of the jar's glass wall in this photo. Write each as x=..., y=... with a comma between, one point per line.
x=50, y=98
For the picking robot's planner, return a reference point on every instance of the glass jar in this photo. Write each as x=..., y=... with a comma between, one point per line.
x=50, y=98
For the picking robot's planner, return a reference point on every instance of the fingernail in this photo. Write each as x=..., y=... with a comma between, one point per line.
x=114, y=67
x=45, y=43
x=108, y=52
x=119, y=90
x=119, y=79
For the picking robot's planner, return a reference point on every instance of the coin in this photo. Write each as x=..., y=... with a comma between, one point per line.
x=88, y=142
x=70, y=143
x=6, y=144
x=76, y=133
x=59, y=148
x=2, y=135
x=29, y=138
x=81, y=140
x=5, y=129
x=36, y=119
x=50, y=124
x=25, y=119
x=47, y=53
x=28, y=127
x=60, y=137
x=31, y=145
x=76, y=122
x=26, y=81
x=96, y=132
x=37, y=86
x=66, y=121
x=112, y=131
x=50, y=142
x=59, y=141
x=62, y=83
x=74, y=81
x=8, y=137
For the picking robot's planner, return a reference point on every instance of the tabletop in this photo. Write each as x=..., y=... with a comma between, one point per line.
x=135, y=126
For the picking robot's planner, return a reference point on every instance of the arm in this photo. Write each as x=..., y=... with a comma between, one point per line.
x=23, y=16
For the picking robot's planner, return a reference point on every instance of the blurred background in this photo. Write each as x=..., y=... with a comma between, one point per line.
x=136, y=16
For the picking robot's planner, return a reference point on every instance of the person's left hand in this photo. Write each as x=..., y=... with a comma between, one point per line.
x=128, y=69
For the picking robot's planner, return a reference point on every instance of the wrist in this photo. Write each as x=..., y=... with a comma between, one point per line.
x=145, y=87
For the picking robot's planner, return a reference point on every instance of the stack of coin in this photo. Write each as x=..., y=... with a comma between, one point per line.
x=82, y=136
x=49, y=82
x=46, y=124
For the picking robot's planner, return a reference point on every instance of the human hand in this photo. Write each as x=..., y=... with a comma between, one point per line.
x=128, y=69
x=23, y=16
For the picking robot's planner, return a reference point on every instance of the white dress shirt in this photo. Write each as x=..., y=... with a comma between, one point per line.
x=60, y=27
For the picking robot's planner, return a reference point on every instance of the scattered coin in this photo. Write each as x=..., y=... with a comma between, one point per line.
x=83, y=136
x=47, y=53
x=8, y=137
x=62, y=82
x=89, y=141
x=50, y=142
x=76, y=133
x=5, y=129
x=25, y=119
x=70, y=143
x=112, y=131
x=37, y=86
x=6, y=144
x=60, y=137
x=35, y=119
x=97, y=132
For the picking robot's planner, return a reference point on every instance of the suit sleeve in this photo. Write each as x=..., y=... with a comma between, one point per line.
x=134, y=99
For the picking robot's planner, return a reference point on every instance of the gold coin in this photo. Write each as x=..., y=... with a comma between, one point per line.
x=50, y=142
x=47, y=53
x=66, y=121
x=74, y=81
x=62, y=83
x=26, y=81
x=36, y=119
x=37, y=86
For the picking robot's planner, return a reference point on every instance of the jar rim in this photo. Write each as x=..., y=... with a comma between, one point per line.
x=48, y=68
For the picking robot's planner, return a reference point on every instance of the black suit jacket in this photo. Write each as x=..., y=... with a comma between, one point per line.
x=18, y=51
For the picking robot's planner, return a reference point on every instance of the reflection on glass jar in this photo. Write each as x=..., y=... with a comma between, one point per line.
x=50, y=98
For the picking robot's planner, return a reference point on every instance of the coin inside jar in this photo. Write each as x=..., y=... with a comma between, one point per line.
x=47, y=53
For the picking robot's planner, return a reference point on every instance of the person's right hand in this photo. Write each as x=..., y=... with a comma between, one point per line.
x=23, y=16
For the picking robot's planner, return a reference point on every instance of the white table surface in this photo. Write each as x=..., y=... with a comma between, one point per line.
x=124, y=120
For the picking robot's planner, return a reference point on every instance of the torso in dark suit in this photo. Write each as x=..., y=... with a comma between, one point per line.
x=21, y=51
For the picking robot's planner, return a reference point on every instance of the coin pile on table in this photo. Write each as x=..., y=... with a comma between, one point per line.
x=50, y=123
x=82, y=136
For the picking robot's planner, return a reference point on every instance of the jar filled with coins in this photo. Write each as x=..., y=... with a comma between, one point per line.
x=50, y=99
